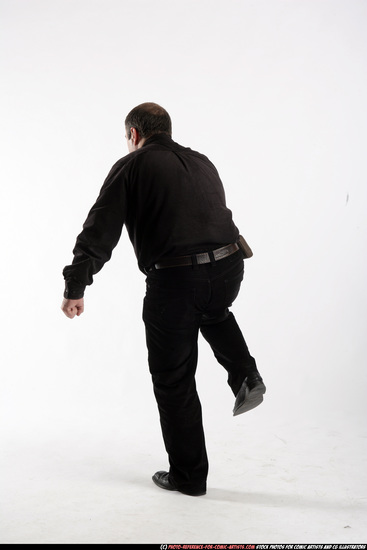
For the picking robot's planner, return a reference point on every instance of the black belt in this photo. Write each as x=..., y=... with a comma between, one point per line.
x=194, y=259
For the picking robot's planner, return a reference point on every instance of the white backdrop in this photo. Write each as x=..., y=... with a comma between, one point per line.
x=274, y=93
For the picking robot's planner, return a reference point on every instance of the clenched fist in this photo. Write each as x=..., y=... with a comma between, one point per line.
x=72, y=307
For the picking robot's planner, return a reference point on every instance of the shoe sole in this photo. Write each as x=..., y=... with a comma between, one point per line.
x=253, y=398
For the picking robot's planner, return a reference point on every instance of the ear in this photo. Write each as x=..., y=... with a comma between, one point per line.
x=135, y=136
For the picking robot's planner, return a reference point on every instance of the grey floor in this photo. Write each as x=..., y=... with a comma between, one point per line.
x=277, y=475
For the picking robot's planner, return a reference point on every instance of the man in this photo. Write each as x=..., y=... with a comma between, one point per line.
x=172, y=202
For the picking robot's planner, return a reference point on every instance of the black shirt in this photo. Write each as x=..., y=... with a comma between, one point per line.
x=172, y=202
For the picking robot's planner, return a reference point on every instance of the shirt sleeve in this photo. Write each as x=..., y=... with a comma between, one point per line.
x=101, y=233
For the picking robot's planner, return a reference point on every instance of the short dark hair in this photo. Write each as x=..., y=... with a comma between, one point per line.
x=148, y=119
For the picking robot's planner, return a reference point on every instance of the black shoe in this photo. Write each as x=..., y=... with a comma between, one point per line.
x=162, y=480
x=250, y=394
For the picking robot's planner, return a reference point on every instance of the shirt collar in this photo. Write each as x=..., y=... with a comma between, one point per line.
x=157, y=138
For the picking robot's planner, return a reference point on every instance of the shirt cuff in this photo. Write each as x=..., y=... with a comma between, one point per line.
x=73, y=292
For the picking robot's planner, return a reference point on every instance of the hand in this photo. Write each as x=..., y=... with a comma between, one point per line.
x=72, y=307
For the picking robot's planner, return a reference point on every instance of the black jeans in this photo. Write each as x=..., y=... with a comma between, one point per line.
x=179, y=302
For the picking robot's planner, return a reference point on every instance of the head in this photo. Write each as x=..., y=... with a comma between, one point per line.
x=144, y=121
